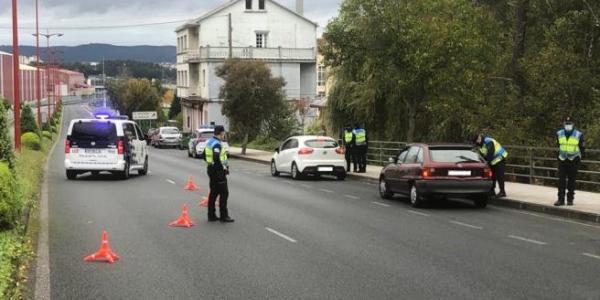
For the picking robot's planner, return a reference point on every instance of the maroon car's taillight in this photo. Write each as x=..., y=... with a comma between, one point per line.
x=427, y=172
x=487, y=173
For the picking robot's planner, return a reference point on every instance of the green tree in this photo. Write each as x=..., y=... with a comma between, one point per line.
x=6, y=152
x=253, y=97
x=175, y=107
x=134, y=95
x=28, y=123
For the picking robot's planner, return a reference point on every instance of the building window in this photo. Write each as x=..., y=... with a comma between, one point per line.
x=261, y=40
x=203, y=78
x=188, y=122
x=321, y=76
x=248, y=4
x=261, y=4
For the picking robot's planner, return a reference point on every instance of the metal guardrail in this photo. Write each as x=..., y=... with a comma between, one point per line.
x=525, y=164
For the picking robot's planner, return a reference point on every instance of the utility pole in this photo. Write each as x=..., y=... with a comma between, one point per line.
x=16, y=78
x=48, y=36
x=37, y=65
x=103, y=84
x=230, y=31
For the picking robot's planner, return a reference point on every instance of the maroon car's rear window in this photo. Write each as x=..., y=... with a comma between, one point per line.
x=453, y=155
x=318, y=143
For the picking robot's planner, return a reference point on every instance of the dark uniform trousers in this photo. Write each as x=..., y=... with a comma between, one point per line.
x=349, y=155
x=361, y=157
x=567, y=176
x=218, y=188
x=498, y=175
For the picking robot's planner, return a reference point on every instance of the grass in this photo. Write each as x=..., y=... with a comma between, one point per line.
x=16, y=243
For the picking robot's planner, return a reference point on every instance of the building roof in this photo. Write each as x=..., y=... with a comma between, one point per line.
x=230, y=3
x=69, y=72
x=23, y=67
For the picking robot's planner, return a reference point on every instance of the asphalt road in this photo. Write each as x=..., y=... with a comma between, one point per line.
x=302, y=240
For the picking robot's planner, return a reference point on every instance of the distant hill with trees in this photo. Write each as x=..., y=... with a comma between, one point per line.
x=125, y=68
x=97, y=52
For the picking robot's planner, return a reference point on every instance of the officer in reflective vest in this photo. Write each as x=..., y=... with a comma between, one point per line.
x=495, y=155
x=571, y=147
x=218, y=169
x=361, y=145
x=349, y=140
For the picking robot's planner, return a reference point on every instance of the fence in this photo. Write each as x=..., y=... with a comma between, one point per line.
x=535, y=165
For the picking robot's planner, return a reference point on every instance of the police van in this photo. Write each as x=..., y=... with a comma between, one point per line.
x=108, y=144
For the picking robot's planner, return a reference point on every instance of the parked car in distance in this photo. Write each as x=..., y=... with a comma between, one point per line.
x=309, y=155
x=424, y=171
x=198, y=141
x=167, y=136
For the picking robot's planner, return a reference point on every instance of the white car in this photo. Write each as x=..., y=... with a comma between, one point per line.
x=95, y=145
x=309, y=155
x=198, y=142
x=168, y=136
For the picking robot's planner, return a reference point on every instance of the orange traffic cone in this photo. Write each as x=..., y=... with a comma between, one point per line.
x=104, y=253
x=183, y=220
x=190, y=186
x=204, y=201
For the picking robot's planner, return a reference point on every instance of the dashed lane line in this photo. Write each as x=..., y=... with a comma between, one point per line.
x=326, y=190
x=170, y=181
x=281, y=235
x=380, y=204
x=351, y=197
x=418, y=213
x=547, y=217
x=466, y=225
x=591, y=255
x=520, y=238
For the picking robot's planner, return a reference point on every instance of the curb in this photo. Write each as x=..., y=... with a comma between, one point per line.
x=506, y=202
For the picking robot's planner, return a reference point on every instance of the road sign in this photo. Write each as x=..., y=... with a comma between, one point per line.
x=145, y=115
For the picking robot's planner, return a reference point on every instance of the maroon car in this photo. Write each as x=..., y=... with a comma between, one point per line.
x=426, y=171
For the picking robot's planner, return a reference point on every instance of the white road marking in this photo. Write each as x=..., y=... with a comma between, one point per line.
x=547, y=217
x=466, y=225
x=418, y=213
x=326, y=191
x=520, y=238
x=591, y=255
x=351, y=197
x=381, y=204
x=170, y=181
x=281, y=235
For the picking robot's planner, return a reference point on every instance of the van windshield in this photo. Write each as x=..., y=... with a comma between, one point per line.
x=169, y=131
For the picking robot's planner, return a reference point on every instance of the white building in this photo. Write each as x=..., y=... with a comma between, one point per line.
x=260, y=29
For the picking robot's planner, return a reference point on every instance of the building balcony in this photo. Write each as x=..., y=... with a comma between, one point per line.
x=270, y=54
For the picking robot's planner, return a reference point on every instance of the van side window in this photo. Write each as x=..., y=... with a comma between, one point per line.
x=139, y=132
x=129, y=131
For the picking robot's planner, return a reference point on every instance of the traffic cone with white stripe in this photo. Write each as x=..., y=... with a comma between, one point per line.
x=183, y=220
x=105, y=253
x=191, y=185
x=204, y=201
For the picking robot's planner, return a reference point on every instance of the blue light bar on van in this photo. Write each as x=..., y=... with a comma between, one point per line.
x=102, y=116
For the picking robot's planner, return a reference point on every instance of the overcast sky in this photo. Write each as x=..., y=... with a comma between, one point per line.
x=78, y=13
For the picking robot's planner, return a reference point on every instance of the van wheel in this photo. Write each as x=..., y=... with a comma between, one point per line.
x=296, y=175
x=384, y=190
x=189, y=153
x=341, y=176
x=144, y=171
x=71, y=175
x=125, y=173
x=416, y=199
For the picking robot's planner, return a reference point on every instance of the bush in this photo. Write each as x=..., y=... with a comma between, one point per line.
x=28, y=123
x=31, y=141
x=9, y=203
x=47, y=134
x=6, y=152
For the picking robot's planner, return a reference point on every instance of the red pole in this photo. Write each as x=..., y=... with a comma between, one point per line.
x=48, y=83
x=38, y=75
x=16, y=78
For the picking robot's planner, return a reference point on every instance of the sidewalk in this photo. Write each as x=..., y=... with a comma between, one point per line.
x=520, y=196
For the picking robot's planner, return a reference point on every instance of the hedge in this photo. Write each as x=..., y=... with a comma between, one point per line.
x=31, y=141
x=9, y=202
x=47, y=134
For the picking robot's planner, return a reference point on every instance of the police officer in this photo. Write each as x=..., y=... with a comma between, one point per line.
x=495, y=155
x=571, y=148
x=218, y=169
x=361, y=144
x=349, y=139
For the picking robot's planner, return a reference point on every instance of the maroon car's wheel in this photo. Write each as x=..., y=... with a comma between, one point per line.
x=482, y=200
x=416, y=199
x=384, y=190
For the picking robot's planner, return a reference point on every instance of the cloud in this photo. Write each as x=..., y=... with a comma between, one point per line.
x=81, y=13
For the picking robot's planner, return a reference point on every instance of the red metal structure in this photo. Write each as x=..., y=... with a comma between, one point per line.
x=16, y=78
x=38, y=75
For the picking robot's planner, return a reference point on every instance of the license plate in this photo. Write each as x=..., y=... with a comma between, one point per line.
x=325, y=169
x=93, y=151
x=459, y=173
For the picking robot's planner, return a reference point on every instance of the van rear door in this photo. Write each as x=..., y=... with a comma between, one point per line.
x=93, y=142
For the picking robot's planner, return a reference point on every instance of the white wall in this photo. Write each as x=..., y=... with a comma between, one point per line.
x=308, y=80
x=215, y=114
x=285, y=29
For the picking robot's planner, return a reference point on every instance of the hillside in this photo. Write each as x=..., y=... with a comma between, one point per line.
x=97, y=52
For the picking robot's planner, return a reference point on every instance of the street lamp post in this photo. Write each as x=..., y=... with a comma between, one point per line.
x=48, y=35
x=37, y=65
x=16, y=78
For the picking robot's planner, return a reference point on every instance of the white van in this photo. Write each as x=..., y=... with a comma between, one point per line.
x=95, y=145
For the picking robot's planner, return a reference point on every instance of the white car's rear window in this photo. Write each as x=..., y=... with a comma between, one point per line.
x=321, y=143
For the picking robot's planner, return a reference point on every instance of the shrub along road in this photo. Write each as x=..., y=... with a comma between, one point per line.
x=301, y=239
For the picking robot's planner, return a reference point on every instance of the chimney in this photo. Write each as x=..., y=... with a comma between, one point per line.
x=300, y=7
